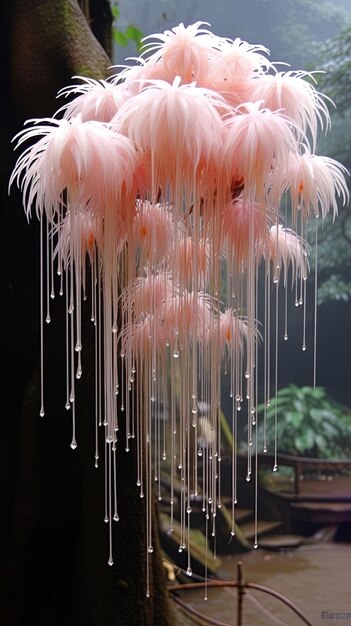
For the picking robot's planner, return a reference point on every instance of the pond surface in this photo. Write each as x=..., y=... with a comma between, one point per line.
x=316, y=578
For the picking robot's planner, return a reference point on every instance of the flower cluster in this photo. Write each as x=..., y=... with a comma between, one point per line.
x=176, y=179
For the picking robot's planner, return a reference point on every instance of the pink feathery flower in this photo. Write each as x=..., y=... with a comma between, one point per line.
x=285, y=249
x=231, y=69
x=179, y=125
x=187, y=316
x=151, y=294
x=87, y=231
x=89, y=159
x=97, y=100
x=230, y=72
x=184, y=261
x=244, y=225
x=183, y=51
x=257, y=143
x=316, y=183
x=152, y=231
x=141, y=339
x=231, y=332
x=293, y=95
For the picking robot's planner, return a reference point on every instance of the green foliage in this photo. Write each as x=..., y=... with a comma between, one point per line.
x=334, y=259
x=334, y=249
x=309, y=423
x=336, y=53
x=130, y=33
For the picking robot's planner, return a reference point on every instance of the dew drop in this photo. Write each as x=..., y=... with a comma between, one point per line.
x=199, y=453
x=105, y=519
x=110, y=561
x=116, y=518
x=275, y=467
x=232, y=532
x=285, y=337
x=248, y=478
x=150, y=549
x=188, y=510
x=175, y=354
x=189, y=571
x=42, y=413
x=67, y=406
x=73, y=444
x=255, y=545
x=193, y=423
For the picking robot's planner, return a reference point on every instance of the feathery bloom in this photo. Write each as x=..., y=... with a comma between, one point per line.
x=232, y=332
x=285, y=249
x=230, y=72
x=187, y=316
x=316, y=183
x=89, y=159
x=87, y=230
x=151, y=294
x=257, y=142
x=152, y=231
x=97, y=100
x=243, y=226
x=141, y=339
x=183, y=51
x=293, y=95
x=179, y=125
x=185, y=259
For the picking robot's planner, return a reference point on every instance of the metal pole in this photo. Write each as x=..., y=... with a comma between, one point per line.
x=241, y=592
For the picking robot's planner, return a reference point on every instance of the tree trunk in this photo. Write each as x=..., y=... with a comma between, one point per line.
x=53, y=540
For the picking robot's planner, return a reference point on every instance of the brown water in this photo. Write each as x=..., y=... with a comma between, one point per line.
x=316, y=578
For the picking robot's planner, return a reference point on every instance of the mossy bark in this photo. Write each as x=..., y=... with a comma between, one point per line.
x=53, y=541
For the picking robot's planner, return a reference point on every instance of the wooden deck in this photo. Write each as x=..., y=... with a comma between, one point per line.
x=317, y=491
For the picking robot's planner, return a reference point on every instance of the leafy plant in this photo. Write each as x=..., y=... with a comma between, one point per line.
x=130, y=33
x=309, y=423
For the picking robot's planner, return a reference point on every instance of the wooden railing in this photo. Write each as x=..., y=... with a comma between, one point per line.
x=300, y=464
